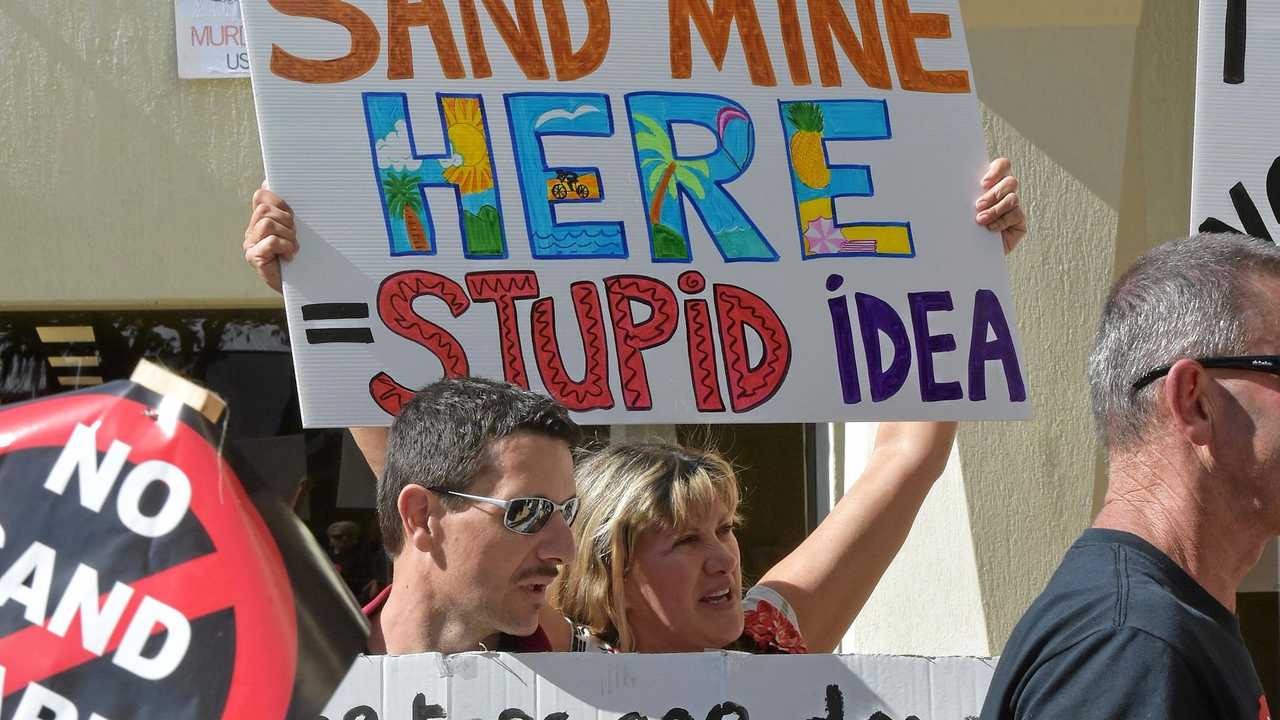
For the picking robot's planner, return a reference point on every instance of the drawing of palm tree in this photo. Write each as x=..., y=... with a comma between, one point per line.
x=661, y=164
x=403, y=199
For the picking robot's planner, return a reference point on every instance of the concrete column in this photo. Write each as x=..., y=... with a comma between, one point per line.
x=929, y=601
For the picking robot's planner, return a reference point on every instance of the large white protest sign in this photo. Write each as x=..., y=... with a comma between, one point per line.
x=210, y=39
x=704, y=686
x=677, y=211
x=1236, y=177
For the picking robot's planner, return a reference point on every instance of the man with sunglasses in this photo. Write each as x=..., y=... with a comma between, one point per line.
x=475, y=504
x=1139, y=619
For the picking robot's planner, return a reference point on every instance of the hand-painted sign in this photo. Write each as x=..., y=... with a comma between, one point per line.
x=681, y=211
x=1237, y=155
x=210, y=39
x=710, y=686
x=139, y=578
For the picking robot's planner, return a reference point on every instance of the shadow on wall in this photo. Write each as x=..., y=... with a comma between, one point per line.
x=1059, y=86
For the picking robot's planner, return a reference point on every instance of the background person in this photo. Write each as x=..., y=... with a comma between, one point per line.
x=1139, y=619
x=354, y=560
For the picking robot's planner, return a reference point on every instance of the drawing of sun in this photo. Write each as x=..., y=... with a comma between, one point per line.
x=474, y=172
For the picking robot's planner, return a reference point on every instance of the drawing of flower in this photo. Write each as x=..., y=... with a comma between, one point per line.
x=771, y=630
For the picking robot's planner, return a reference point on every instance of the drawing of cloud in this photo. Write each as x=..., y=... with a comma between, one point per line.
x=394, y=152
x=559, y=114
x=453, y=160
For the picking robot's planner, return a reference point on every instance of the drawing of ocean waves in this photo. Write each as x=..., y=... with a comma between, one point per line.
x=577, y=242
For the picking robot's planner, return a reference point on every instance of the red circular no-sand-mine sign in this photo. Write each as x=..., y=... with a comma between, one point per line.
x=244, y=573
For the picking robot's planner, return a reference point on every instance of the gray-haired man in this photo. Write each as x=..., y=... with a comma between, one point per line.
x=1139, y=620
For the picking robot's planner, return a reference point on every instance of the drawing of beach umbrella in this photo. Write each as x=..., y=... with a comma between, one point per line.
x=723, y=118
x=822, y=236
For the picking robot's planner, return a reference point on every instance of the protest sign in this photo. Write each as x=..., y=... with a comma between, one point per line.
x=210, y=39
x=1235, y=182
x=710, y=686
x=680, y=211
x=139, y=578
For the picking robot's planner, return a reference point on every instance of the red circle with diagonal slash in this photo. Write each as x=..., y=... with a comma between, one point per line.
x=245, y=572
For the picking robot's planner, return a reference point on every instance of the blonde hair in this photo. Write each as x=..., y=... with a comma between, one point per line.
x=626, y=489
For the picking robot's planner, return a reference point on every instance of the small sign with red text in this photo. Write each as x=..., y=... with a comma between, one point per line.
x=210, y=39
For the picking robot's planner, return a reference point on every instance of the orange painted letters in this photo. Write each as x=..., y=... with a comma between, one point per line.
x=402, y=15
x=714, y=29
x=572, y=65
x=793, y=42
x=904, y=27
x=520, y=33
x=364, y=43
x=827, y=18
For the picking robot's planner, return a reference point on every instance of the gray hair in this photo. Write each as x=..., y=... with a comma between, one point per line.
x=1187, y=298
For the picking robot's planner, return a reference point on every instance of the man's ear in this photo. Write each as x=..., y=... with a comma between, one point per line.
x=415, y=505
x=1185, y=395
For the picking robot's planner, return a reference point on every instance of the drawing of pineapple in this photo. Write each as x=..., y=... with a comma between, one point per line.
x=807, y=157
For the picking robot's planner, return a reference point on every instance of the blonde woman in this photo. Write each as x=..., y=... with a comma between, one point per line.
x=657, y=565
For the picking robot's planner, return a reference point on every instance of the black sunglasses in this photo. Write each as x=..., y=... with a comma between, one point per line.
x=524, y=515
x=1261, y=363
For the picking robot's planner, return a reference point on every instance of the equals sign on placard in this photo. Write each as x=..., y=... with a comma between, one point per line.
x=337, y=311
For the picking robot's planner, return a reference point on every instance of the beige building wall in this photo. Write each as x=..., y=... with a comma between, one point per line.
x=116, y=178
x=1093, y=100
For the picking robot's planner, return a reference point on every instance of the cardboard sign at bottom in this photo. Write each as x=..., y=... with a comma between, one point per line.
x=704, y=686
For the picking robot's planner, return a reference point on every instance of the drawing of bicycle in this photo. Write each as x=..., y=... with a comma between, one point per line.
x=567, y=182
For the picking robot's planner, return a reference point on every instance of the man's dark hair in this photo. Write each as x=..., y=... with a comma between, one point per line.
x=443, y=436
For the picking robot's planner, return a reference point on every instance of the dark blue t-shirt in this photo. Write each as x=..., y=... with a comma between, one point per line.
x=1121, y=631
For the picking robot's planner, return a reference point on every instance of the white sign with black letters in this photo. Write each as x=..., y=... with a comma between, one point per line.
x=692, y=686
x=1236, y=177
